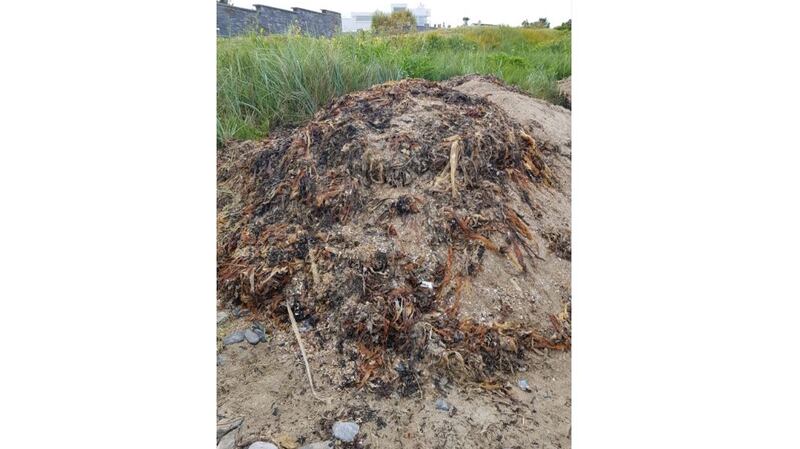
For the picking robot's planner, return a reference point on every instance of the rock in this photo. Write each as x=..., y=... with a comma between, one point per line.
x=523, y=385
x=222, y=317
x=345, y=431
x=220, y=359
x=441, y=404
x=261, y=334
x=286, y=441
x=223, y=427
x=236, y=337
x=262, y=445
x=228, y=441
x=252, y=337
x=319, y=445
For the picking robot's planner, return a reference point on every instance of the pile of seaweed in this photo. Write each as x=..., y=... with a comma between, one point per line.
x=370, y=220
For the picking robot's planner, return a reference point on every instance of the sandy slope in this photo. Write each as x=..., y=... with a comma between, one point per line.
x=266, y=383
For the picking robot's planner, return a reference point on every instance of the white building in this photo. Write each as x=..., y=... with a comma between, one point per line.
x=357, y=21
x=363, y=20
x=421, y=13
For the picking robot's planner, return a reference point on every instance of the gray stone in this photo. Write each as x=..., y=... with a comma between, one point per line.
x=236, y=337
x=523, y=385
x=222, y=316
x=441, y=404
x=262, y=445
x=223, y=427
x=228, y=441
x=220, y=359
x=345, y=430
x=261, y=334
x=319, y=445
x=252, y=337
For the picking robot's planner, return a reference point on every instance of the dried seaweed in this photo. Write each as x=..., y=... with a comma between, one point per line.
x=298, y=208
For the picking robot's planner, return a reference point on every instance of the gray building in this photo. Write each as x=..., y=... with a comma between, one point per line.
x=233, y=20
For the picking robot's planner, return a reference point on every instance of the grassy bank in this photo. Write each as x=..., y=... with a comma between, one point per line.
x=269, y=81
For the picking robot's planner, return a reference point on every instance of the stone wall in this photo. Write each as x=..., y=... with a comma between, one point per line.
x=232, y=20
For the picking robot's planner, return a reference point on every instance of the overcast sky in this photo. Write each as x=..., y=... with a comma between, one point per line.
x=450, y=12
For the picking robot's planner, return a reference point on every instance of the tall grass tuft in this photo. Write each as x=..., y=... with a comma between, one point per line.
x=265, y=82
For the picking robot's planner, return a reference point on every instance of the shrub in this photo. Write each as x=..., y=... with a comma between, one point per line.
x=397, y=22
x=541, y=23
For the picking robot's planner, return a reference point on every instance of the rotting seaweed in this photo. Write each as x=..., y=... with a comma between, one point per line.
x=295, y=216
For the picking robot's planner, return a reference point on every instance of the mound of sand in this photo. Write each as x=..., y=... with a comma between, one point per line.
x=416, y=228
x=419, y=232
x=549, y=124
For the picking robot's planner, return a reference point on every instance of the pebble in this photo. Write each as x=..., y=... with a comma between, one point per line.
x=319, y=445
x=441, y=404
x=345, y=430
x=262, y=445
x=222, y=317
x=523, y=385
x=224, y=427
x=228, y=441
x=219, y=359
x=236, y=337
x=260, y=333
x=285, y=440
x=252, y=337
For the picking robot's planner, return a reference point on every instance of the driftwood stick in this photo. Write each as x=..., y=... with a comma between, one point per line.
x=303, y=352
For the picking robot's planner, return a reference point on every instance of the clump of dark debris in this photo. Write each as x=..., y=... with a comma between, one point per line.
x=372, y=221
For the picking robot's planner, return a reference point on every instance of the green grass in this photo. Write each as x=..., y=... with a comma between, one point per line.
x=269, y=81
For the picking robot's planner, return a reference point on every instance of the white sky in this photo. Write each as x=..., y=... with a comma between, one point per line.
x=506, y=12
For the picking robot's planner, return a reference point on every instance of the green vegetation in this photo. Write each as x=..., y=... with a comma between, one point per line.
x=565, y=26
x=397, y=22
x=541, y=23
x=265, y=82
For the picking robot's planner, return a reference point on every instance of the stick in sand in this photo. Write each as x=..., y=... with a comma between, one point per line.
x=303, y=352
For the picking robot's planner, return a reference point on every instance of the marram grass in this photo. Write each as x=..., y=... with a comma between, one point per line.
x=265, y=82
